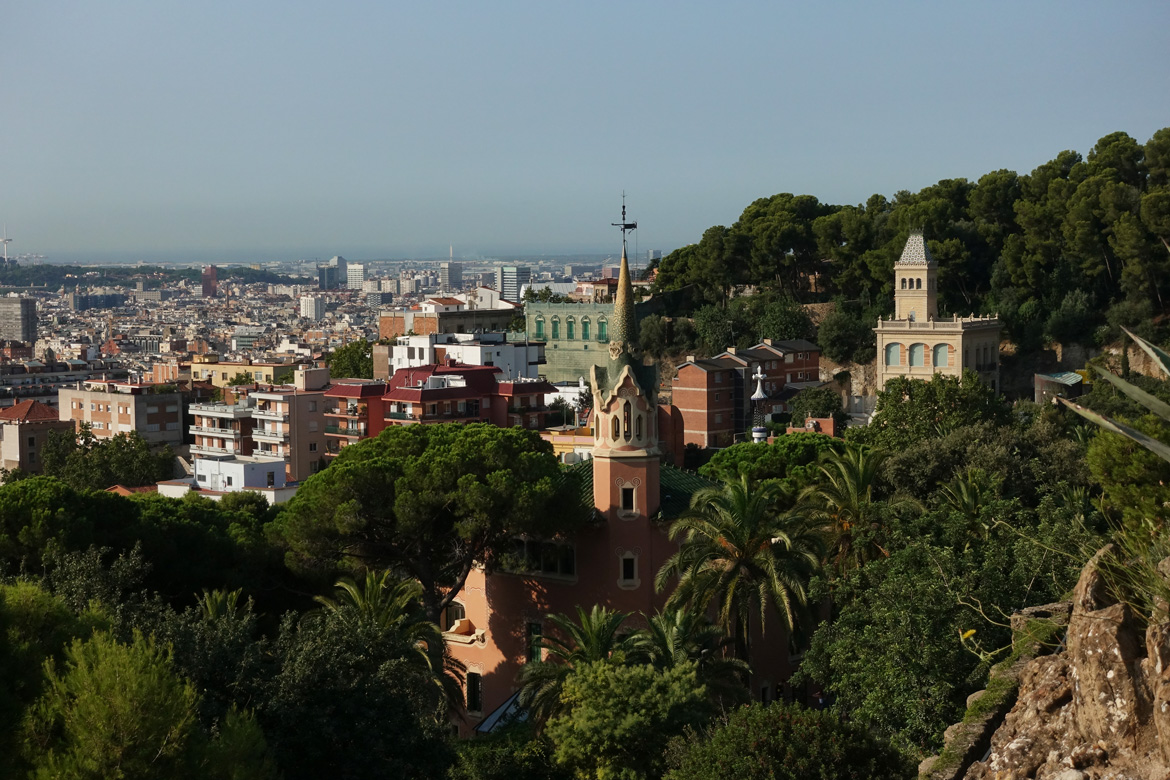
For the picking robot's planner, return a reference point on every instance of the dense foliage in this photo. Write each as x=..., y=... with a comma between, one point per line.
x=1069, y=251
x=786, y=742
x=429, y=501
x=354, y=360
x=85, y=462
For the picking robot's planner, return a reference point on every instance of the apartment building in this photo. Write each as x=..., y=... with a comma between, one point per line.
x=514, y=358
x=221, y=429
x=447, y=315
x=111, y=407
x=714, y=395
x=210, y=369
x=24, y=430
x=434, y=394
x=285, y=422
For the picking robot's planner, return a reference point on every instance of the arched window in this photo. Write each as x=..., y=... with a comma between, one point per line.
x=903, y=282
x=638, y=426
x=540, y=328
x=585, y=329
x=626, y=420
x=617, y=433
x=602, y=330
x=941, y=356
x=917, y=354
x=570, y=328
x=918, y=284
x=913, y=316
x=893, y=354
x=556, y=329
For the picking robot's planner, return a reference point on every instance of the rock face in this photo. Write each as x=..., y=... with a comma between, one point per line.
x=1098, y=709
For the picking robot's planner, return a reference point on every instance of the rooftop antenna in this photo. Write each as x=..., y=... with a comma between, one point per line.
x=624, y=226
x=6, y=241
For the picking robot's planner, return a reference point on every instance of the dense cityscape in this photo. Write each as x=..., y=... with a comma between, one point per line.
x=584, y=392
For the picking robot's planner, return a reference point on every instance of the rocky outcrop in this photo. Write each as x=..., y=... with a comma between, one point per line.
x=1100, y=708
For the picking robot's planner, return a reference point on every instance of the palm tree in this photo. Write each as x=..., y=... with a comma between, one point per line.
x=968, y=494
x=740, y=553
x=677, y=635
x=393, y=605
x=843, y=500
x=596, y=636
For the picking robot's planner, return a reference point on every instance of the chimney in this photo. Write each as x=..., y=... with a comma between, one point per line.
x=768, y=342
x=690, y=358
x=731, y=350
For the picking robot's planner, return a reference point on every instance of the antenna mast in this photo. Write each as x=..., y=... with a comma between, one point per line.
x=6, y=241
x=624, y=226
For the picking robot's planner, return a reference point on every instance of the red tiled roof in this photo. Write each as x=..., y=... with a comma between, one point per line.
x=122, y=490
x=446, y=301
x=29, y=411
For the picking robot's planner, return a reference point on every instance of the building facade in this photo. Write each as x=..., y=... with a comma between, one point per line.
x=18, y=320
x=24, y=431
x=445, y=315
x=510, y=279
x=111, y=408
x=450, y=276
x=312, y=307
x=515, y=359
x=918, y=343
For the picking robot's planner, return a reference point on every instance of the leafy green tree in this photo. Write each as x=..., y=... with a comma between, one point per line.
x=715, y=329
x=910, y=410
x=816, y=402
x=738, y=552
x=791, y=459
x=788, y=742
x=596, y=636
x=844, y=337
x=616, y=718
x=779, y=319
x=429, y=502
x=118, y=710
x=349, y=701
x=354, y=360
x=241, y=378
x=513, y=753
x=85, y=462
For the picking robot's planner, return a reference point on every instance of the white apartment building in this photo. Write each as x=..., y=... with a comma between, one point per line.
x=355, y=275
x=517, y=359
x=312, y=307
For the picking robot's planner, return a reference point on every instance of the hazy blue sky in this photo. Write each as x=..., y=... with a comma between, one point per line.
x=256, y=129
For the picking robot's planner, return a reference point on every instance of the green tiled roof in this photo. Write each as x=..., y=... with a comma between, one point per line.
x=676, y=487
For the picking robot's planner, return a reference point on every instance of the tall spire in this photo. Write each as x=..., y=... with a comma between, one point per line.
x=622, y=332
x=623, y=306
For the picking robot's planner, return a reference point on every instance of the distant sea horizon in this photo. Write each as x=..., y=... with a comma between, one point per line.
x=228, y=257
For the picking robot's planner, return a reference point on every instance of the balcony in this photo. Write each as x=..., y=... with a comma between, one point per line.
x=266, y=434
x=210, y=430
x=270, y=414
x=207, y=449
x=353, y=431
x=398, y=416
x=221, y=411
x=358, y=410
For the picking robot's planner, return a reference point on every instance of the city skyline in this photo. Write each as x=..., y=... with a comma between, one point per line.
x=217, y=133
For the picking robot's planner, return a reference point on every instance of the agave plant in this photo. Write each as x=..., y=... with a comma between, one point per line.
x=1154, y=405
